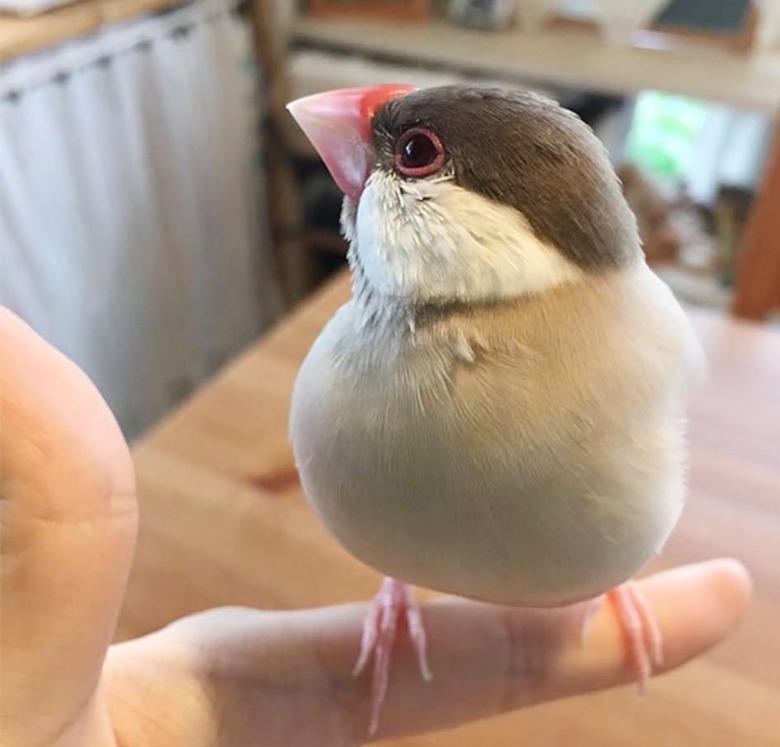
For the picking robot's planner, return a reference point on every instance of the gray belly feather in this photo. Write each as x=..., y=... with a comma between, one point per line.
x=528, y=453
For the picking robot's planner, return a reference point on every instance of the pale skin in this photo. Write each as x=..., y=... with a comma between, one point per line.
x=244, y=677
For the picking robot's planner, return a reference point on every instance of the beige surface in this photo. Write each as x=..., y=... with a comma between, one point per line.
x=23, y=35
x=223, y=522
x=567, y=58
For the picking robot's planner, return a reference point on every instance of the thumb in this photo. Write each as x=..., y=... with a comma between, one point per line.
x=67, y=529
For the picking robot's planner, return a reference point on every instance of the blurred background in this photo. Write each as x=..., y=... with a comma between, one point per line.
x=159, y=210
x=164, y=223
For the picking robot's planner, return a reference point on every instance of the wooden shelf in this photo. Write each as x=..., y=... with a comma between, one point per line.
x=22, y=35
x=561, y=57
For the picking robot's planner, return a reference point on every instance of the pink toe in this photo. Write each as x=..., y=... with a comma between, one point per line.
x=393, y=600
x=640, y=631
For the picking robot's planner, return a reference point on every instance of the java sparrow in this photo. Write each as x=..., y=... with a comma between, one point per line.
x=498, y=412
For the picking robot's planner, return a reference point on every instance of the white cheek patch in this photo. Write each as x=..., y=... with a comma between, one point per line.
x=433, y=240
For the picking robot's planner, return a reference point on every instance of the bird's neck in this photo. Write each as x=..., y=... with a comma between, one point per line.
x=382, y=312
x=377, y=309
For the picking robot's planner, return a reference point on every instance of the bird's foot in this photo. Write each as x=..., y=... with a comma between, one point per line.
x=395, y=599
x=644, y=642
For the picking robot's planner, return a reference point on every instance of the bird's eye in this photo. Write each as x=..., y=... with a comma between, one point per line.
x=418, y=153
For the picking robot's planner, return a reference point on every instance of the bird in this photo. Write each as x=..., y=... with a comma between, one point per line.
x=499, y=410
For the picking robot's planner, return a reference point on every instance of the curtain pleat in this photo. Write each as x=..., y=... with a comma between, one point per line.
x=133, y=232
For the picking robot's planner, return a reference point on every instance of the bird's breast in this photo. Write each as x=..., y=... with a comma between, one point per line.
x=485, y=457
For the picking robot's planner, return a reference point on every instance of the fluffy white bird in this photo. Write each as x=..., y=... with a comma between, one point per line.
x=498, y=412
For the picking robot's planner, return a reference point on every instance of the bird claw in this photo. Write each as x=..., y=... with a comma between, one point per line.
x=393, y=600
x=644, y=641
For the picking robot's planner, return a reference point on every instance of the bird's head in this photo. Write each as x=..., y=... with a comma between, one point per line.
x=466, y=193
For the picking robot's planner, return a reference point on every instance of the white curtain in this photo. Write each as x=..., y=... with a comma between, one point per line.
x=132, y=225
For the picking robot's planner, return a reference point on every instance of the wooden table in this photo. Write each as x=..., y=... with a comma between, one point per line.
x=223, y=521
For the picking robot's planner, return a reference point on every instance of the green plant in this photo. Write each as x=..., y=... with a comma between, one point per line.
x=662, y=133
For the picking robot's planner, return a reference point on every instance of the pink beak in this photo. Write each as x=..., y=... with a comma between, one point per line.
x=338, y=124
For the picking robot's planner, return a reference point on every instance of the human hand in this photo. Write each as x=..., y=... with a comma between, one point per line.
x=240, y=676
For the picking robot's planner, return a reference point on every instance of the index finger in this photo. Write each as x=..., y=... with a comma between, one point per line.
x=258, y=666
